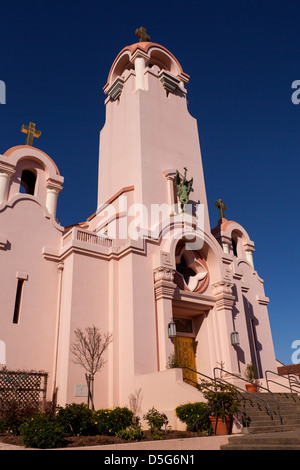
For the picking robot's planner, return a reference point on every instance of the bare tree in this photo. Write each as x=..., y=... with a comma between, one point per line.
x=88, y=349
x=135, y=400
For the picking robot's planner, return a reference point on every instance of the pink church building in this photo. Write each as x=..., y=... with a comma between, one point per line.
x=141, y=265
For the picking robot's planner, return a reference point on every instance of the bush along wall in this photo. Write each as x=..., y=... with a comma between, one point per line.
x=42, y=432
x=195, y=416
x=110, y=422
x=47, y=431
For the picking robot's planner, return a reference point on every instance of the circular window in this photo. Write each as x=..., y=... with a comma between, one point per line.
x=191, y=271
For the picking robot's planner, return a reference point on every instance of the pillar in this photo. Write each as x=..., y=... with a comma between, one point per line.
x=225, y=248
x=139, y=65
x=139, y=59
x=53, y=190
x=249, y=248
x=249, y=257
x=51, y=201
x=4, y=180
x=164, y=291
x=170, y=176
x=223, y=309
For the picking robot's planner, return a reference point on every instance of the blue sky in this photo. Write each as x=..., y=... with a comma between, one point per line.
x=242, y=57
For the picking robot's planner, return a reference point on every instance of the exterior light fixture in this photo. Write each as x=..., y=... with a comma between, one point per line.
x=171, y=329
x=235, y=341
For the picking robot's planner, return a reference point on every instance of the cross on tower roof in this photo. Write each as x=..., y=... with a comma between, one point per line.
x=222, y=208
x=31, y=133
x=141, y=33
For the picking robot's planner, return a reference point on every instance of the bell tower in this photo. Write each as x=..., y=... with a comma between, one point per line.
x=148, y=132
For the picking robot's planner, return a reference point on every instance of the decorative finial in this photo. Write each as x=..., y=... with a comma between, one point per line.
x=222, y=208
x=31, y=133
x=141, y=33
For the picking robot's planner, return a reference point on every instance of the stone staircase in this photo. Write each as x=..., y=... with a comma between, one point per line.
x=263, y=429
x=257, y=417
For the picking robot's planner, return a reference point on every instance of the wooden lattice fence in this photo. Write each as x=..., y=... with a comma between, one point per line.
x=24, y=388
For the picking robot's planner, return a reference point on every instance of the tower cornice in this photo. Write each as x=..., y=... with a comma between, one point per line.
x=147, y=50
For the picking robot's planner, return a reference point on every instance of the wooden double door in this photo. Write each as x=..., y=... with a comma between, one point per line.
x=185, y=349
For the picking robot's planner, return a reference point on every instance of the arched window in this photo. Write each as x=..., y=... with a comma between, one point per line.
x=234, y=246
x=185, y=270
x=28, y=180
x=191, y=270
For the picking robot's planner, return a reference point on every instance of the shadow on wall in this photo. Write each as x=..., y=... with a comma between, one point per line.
x=255, y=346
x=235, y=312
x=251, y=323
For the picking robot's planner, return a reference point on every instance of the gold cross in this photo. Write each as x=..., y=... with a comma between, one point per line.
x=141, y=33
x=31, y=133
x=222, y=208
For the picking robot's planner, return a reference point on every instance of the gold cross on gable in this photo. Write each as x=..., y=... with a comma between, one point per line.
x=31, y=133
x=222, y=208
x=141, y=33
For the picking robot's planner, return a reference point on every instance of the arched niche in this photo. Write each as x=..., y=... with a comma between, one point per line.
x=28, y=181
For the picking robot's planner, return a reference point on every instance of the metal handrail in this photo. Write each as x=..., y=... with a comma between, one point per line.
x=297, y=384
x=199, y=373
x=293, y=380
x=250, y=393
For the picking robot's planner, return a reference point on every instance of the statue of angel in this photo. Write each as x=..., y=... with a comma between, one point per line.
x=183, y=188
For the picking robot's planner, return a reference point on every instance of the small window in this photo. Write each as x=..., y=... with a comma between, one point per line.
x=28, y=180
x=183, y=325
x=16, y=316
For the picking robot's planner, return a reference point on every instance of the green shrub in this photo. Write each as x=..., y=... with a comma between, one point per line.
x=194, y=415
x=222, y=399
x=155, y=420
x=42, y=432
x=110, y=422
x=76, y=419
x=3, y=427
x=132, y=433
x=157, y=435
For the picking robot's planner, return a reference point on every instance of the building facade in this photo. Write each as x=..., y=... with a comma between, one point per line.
x=146, y=260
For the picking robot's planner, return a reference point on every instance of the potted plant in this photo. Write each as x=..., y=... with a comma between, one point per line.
x=250, y=374
x=223, y=402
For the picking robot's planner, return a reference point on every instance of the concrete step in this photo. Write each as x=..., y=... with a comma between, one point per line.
x=286, y=418
x=274, y=438
x=288, y=397
x=259, y=404
x=261, y=447
x=289, y=440
x=270, y=428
